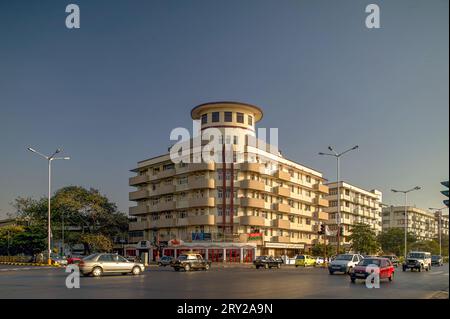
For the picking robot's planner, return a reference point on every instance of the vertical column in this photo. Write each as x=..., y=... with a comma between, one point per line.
x=242, y=255
x=207, y=254
x=224, y=255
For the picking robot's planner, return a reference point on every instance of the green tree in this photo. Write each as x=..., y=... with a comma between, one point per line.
x=322, y=250
x=392, y=240
x=364, y=239
x=426, y=245
x=96, y=243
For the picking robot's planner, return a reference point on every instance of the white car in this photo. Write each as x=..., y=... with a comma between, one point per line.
x=320, y=260
x=344, y=263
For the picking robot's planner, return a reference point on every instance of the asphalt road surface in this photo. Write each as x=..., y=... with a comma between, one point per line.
x=220, y=282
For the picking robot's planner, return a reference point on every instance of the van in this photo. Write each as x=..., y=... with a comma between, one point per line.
x=418, y=260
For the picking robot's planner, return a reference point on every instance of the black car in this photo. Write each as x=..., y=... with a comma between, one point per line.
x=437, y=260
x=165, y=261
x=394, y=260
x=267, y=262
x=190, y=262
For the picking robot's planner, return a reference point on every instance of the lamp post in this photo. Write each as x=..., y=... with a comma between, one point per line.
x=49, y=160
x=439, y=210
x=338, y=215
x=405, y=193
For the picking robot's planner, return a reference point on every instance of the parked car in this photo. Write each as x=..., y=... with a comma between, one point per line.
x=419, y=260
x=361, y=271
x=98, y=264
x=319, y=260
x=74, y=259
x=267, y=262
x=344, y=263
x=58, y=260
x=190, y=262
x=165, y=261
x=394, y=260
x=304, y=261
x=437, y=260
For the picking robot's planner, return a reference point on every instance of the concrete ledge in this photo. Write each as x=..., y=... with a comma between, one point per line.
x=27, y=264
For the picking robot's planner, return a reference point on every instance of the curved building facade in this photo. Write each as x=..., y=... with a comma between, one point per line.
x=229, y=211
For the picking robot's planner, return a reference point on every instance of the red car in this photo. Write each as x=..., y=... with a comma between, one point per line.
x=361, y=270
x=73, y=260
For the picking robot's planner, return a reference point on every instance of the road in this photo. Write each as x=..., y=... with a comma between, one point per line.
x=234, y=282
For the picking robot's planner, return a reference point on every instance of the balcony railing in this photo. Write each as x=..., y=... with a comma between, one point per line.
x=136, y=195
x=136, y=180
x=281, y=223
x=250, y=184
x=252, y=220
x=202, y=202
x=282, y=191
x=283, y=208
x=252, y=202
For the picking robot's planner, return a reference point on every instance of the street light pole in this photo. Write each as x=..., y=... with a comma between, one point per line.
x=338, y=214
x=439, y=210
x=405, y=193
x=49, y=160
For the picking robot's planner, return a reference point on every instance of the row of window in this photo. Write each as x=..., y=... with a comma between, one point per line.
x=227, y=117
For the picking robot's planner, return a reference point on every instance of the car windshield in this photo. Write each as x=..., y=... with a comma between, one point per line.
x=416, y=255
x=182, y=257
x=369, y=261
x=344, y=257
x=301, y=257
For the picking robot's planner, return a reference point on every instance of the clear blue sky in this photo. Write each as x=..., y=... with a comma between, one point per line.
x=110, y=92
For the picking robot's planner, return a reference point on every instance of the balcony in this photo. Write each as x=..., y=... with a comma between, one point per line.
x=282, y=208
x=137, y=226
x=138, y=210
x=321, y=188
x=136, y=195
x=202, y=220
x=251, y=221
x=285, y=176
x=250, y=184
x=163, y=206
x=201, y=183
x=163, y=174
x=321, y=202
x=137, y=180
x=195, y=167
x=301, y=227
x=202, y=202
x=281, y=223
x=282, y=191
x=252, y=167
x=322, y=215
x=281, y=239
x=163, y=223
x=165, y=189
x=252, y=202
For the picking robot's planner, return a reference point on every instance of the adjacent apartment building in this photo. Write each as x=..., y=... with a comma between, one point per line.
x=263, y=204
x=423, y=224
x=357, y=206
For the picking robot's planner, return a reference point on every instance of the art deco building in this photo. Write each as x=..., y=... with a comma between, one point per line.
x=259, y=203
x=423, y=224
x=357, y=206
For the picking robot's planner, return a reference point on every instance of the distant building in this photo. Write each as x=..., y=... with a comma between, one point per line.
x=357, y=206
x=443, y=224
x=423, y=224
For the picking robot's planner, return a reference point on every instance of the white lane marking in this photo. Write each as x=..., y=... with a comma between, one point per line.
x=437, y=273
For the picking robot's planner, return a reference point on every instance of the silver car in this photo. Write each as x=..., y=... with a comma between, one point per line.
x=98, y=264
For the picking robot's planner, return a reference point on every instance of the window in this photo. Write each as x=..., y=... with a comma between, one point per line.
x=235, y=140
x=204, y=118
x=105, y=258
x=215, y=117
x=228, y=116
x=168, y=166
x=240, y=117
x=308, y=179
x=250, y=120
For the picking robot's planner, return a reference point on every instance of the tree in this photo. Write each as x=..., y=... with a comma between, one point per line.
x=392, y=240
x=320, y=249
x=86, y=211
x=426, y=245
x=364, y=239
x=96, y=243
x=26, y=240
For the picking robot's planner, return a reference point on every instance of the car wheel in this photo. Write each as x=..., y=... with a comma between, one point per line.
x=187, y=267
x=176, y=269
x=391, y=277
x=296, y=266
x=207, y=267
x=97, y=272
x=124, y=273
x=404, y=268
x=331, y=272
x=278, y=266
x=257, y=267
x=266, y=266
x=136, y=271
x=353, y=280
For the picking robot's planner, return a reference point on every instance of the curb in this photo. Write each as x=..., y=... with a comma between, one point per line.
x=28, y=264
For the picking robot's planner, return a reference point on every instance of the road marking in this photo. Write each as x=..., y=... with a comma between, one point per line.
x=437, y=273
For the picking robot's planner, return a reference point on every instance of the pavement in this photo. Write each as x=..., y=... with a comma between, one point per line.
x=222, y=282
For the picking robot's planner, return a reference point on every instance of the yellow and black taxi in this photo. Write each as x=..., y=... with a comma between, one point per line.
x=304, y=261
